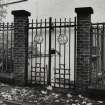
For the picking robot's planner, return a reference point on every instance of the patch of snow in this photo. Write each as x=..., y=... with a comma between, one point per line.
x=35, y=101
x=73, y=104
x=43, y=92
x=80, y=96
x=71, y=100
x=67, y=101
x=69, y=95
x=1, y=102
x=57, y=100
x=78, y=104
x=99, y=74
x=100, y=102
x=55, y=95
x=49, y=87
x=76, y=100
x=10, y=97
x=89, y=104
x=86, y=99
x=84, y=102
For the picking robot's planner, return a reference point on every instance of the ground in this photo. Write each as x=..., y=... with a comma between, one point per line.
x=15, y=95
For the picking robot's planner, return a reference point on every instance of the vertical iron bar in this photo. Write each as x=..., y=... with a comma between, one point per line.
x=95, y=45
x=91, y=47
x=11, y=49
x=7, y=49
x=1, y=53
x=75, y=51
x=32, y=53
x=55, y=58
x=49, y=69
x=102, y=55
x=97, y=55
x=12, y=44
x=59, y=57
x=45, y=55
x=64, y=51
x=1, y=66
x=36, y=51
x=69, y=47
x=40, y=51
x=3, y=60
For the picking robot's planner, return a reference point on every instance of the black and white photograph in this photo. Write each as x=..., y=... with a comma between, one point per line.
x=52, y=52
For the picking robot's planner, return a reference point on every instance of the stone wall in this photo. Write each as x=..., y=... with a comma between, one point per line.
x=83, y=45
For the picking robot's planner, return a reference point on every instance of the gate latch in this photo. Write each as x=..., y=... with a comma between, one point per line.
x=53, y=51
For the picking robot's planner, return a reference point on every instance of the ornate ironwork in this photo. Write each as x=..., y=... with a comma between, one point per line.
x=38, y=39
x=62, y=39
x=50, y=64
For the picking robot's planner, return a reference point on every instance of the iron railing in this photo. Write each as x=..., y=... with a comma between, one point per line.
x=6, y=47
x=97, y=55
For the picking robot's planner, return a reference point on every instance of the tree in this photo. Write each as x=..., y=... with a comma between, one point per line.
x=3, y=10
x=3, y=7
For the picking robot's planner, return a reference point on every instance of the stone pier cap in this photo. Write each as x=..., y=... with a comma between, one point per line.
x=84, y=10
x=21, y=13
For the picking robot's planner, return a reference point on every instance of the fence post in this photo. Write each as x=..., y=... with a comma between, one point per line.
x=49, y=69
x=20, y=46
x=83, y=45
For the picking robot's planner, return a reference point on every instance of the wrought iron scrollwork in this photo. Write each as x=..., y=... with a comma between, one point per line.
x=62, y=39
x=38, y=39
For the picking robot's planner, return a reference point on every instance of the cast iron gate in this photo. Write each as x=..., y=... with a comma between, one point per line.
x=97, y=73
x=51, y=52
x=6, y=49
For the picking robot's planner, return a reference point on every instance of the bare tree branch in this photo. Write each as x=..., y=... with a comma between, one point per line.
x=10, y=3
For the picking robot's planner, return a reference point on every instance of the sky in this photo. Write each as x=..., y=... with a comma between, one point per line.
x=58, y=8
